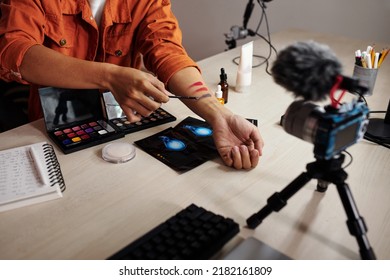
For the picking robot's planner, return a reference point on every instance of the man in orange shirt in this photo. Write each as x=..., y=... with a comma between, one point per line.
x=102, y=44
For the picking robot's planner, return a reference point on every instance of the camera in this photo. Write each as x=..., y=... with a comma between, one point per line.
x=311, y=71
x=330, y=129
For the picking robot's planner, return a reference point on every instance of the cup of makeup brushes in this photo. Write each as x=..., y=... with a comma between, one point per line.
x=366, y=76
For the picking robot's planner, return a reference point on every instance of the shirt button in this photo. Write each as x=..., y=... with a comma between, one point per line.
x=118, y=53
x=63, y=42
x=91, y=17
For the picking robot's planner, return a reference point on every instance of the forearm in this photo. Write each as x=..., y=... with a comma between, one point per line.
x=208, y=108
x=44, y=66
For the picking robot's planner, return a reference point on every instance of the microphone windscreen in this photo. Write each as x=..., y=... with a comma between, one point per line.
x=307, y=69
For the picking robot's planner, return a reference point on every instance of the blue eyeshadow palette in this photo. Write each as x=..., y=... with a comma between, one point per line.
x=75, y=119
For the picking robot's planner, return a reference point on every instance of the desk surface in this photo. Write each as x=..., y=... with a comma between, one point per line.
x=106, y=206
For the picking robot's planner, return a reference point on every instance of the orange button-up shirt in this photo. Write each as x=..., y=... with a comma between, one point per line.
x=129, y=29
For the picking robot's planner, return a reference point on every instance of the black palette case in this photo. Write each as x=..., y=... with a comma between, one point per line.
x=80, y=118
x=75, y=118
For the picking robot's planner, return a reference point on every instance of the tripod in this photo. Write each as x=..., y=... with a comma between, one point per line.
x=326, y=171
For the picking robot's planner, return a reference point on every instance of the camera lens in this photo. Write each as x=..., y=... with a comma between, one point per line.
x=301, y=120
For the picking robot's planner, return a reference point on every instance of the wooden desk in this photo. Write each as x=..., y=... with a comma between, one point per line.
x=106, y=206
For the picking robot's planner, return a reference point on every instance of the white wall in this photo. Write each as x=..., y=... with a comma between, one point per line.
x=204, y=22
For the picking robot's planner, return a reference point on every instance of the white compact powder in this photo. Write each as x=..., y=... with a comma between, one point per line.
x=118, y=152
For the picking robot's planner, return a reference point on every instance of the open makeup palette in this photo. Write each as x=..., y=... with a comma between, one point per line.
x=118, y=118
x=81, y=118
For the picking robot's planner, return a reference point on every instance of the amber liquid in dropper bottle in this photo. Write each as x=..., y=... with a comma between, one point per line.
x=224, y=85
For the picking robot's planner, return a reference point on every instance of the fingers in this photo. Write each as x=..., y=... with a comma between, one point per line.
x=132, y=116
x=161, y=88
x=259, y=144
x=156, y=90
x=134, y=109
x=255, y=157
x=143, y=95
x=147, y=96
x=242, y=158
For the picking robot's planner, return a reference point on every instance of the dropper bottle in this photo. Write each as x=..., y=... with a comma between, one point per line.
x=219, y=95
x=224, y=85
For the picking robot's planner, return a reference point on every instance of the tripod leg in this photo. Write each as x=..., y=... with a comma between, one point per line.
x=278, y=200
x=355, y=222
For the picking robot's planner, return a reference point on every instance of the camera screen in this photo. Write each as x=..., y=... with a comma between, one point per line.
x=346, y=136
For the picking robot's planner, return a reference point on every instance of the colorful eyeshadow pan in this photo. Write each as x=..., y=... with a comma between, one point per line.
x=158, y=117
x=75, y=119
x=83, y=133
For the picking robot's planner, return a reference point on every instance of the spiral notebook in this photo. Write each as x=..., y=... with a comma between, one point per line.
x=29, y=174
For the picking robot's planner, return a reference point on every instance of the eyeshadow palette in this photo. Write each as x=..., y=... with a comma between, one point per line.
x=75, y=118
x=117, y=117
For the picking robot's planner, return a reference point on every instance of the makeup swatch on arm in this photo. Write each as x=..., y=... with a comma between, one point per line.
x=198, y=87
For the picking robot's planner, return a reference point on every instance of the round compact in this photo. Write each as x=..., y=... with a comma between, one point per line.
x=118, y=152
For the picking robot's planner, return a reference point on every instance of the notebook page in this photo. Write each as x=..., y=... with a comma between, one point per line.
x=19, y=175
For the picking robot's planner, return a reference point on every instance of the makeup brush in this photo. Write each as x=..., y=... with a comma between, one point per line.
x=190, y=97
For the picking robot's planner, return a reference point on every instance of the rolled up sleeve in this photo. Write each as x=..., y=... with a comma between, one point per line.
x=21, y=27
x=160, y=42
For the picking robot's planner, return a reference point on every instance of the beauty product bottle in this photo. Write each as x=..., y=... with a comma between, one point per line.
x=244, y=72
x=219, y=95
x=224, y=85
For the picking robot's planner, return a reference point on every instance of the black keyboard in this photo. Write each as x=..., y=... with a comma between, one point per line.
x=192, y=234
